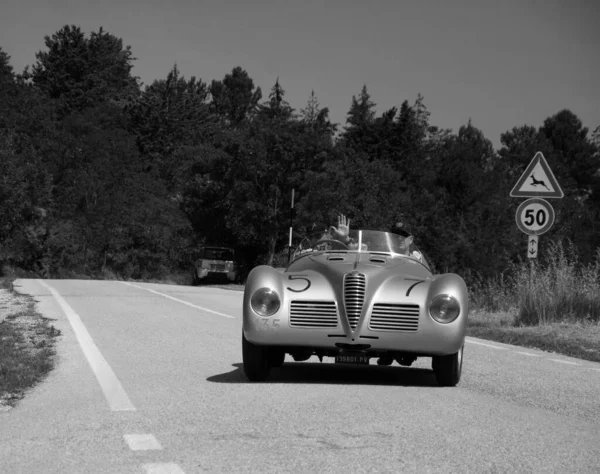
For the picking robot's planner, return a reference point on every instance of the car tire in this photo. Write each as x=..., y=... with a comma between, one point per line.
x=195, y=279
x=448, y=368
x=276, y=357
x=256, y=361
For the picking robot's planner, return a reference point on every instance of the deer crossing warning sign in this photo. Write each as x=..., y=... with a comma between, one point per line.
x=537, y=181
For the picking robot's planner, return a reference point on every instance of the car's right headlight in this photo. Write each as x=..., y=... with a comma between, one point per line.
x=265, y=302
x=444, y=309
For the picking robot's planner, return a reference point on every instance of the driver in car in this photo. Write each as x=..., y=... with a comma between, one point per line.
x=341, y=233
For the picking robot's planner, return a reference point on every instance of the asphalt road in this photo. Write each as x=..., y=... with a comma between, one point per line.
x=149, y=380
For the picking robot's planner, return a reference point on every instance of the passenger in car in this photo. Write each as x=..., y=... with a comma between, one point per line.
x=398, y=229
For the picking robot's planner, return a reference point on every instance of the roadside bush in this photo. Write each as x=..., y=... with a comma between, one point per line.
x=560, y=289
x=492, y=294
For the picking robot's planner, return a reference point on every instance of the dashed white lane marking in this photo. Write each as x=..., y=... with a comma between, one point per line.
x=179, y=301
x=484, y=344
x=528, y=354
x=109, y=383
x=141, y=442
x=560, y=361
x=162, y=468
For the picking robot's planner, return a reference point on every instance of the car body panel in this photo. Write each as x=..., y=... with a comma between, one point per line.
x=333, y=300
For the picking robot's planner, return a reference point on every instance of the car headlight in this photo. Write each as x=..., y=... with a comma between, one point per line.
x=444, y=309
x=265, y=302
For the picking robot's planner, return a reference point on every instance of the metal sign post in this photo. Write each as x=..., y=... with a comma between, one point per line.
x=291, y=225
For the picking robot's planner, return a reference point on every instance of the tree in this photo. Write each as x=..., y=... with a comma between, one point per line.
x=171, y=117
x=595, y=138
x=575, y=162
x=465, y=234
x=235, y=98
x=84, y=72
x=7, y=75
x=310, y=113
x=317, y=124
x=277, y=107
x=109, y=213
x=27, y=132
x=361, y=111
x=575, y=153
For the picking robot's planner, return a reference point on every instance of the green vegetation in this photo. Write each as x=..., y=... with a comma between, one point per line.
x=555, y=307
x=26, y=346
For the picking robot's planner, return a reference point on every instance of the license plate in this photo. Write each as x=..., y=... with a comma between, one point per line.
x=359, y=359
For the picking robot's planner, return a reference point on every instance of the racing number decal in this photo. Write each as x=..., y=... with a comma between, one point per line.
x=413, y=285
x=299, y=277
x=267, y=323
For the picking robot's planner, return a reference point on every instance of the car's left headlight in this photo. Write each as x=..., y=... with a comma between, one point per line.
x=444, y=309
x=265, y=302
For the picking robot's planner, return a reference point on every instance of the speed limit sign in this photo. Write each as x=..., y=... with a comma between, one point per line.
x=535, y=216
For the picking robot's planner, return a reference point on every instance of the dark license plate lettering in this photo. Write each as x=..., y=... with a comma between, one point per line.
x=359, y=359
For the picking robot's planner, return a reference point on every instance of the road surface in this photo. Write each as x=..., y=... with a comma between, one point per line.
x=149, y=380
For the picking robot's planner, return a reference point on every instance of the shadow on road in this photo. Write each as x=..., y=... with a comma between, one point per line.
x=328, y=373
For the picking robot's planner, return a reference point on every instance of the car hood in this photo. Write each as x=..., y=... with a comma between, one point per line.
x=334, y=266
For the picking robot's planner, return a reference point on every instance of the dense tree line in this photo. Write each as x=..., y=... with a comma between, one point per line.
x=101, y=175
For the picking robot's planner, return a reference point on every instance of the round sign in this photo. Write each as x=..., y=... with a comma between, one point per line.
x=535, y=216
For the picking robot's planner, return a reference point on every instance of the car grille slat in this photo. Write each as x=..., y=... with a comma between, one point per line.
x=394, y=317
x=313, y=314
x=354, y=296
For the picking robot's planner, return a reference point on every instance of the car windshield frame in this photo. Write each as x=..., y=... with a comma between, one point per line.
x=362, y=241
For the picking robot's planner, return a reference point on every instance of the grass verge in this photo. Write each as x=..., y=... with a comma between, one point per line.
x=27, y=342
x=574, y=339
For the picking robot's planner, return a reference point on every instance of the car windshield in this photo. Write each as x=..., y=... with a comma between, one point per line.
x=217, y=254
x=361, y=241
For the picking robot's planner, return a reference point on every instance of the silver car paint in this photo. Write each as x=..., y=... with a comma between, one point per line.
x=389, y=280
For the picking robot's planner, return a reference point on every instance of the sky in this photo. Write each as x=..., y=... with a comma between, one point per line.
x=500, y=64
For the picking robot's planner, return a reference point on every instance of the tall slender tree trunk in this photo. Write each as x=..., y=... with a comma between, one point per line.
x=272, y=245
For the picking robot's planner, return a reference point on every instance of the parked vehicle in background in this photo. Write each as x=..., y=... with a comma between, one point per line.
x=216, y=263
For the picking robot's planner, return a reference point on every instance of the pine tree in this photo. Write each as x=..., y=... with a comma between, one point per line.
x=84, y=72
x=277, y=106
x=7, y=74
x=310, y=113
x=361, y=111
x=235, y=98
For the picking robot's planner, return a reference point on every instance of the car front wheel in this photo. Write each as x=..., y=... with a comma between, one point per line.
x=448, y=368
x=256, y=360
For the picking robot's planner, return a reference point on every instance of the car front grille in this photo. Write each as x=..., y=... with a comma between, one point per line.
x=354, y=296
x=394, y=317
x=217, y=267
x=313, y=314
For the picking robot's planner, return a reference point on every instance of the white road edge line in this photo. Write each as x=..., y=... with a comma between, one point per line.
x=162, y=468
x=486, y=345
x=109, y=383
x=564, y=361
x=529, y=354
x=179, y=301
x=141, y=442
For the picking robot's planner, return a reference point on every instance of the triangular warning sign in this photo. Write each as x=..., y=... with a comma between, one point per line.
x=537, y=181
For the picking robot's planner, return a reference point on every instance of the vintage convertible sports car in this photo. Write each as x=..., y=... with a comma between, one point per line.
x=373, y=298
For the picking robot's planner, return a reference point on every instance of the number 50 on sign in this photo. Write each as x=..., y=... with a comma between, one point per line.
x=535, y=216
